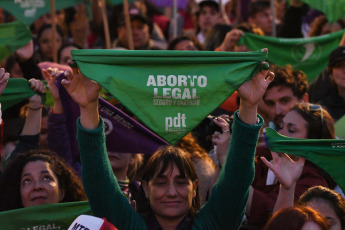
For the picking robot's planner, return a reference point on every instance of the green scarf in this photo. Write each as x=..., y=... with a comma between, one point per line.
x=170, y=91
x=49, y=216
x=17, y=90
x=329, y=154
x=29, y=11
x=307, y=54
x=13, y=35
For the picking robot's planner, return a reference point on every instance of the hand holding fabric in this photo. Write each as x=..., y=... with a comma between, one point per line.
x=230, y=40
x=50, y=75
x=85, y=93
x=26, y=52
x=251, y=92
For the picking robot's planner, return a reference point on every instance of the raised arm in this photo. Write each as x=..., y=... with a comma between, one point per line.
x=105, y=196
x=225, y=207
x=287, y=172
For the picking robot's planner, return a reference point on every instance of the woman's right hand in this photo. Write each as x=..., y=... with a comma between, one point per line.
x=286, y=169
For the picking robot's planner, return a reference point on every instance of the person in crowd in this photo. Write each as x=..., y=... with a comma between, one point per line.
x=141, y=30
x=169, y=182
x=45, y=44
x=303, y=121
x=260, y=14
x=297, y=218
x=289, y=87
x=334, y=97
x=185, y=43
x=207, y=17
x=64, y=53
x=38, y=177
x=328, y=202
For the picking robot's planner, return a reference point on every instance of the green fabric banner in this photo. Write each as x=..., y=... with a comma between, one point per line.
x=17, y=90
x=329, y=154
x=169, y=91
x=30, y=10
x=340, y=128
x=13, y=35
x=334, y=10
x=44, y=217
x=307, y=54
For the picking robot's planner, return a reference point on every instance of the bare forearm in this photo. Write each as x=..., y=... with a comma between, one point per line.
x=285, y=198
x=89, y=116
x=32, y=125
x=248, y=113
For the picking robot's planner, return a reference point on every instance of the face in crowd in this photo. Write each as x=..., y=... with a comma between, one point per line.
x=46, y=44
x=208, y=17
x=263, y=20
x=338, y=75
x=140, y=31
x=39, y=185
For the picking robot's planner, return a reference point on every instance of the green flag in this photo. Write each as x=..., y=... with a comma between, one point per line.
x=17, y=90
x=329, y=154
x=50, y=216
x=307, y=54
x=334, y=10
x=28, y=10
x=13, y=35
x=170, y=91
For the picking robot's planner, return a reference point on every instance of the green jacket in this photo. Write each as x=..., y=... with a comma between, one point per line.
x=224, y=209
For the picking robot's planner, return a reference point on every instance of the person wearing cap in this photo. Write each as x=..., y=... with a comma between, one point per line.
x=335, y=100
x=208, y=16
x=141, y=30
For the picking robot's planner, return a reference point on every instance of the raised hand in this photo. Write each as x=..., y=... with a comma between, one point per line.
x=251, y=92
x=286, y=170
x=85, y=93
x=26, y=52
x=4, y=76
x=35, y=101
x=230, y=40
x=50, y=75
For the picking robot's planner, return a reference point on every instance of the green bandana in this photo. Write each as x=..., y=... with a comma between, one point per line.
x=328, y=154
x=340, y=128
x=307, y=54
x=28, y=10
x=13, y=35
x=170, y=91
x=50, y=216
x=118, y=2
x=17, y=90
x=334, y=10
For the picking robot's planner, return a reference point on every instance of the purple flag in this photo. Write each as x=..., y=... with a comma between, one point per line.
x=123, y=133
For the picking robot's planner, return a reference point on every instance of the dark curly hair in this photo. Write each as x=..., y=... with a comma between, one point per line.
x=68, y=180
x=294, y=79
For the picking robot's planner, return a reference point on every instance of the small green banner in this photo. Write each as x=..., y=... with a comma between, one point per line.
x=43, y=217
x=13, y=35
x=307, y=54
x=169, y=91
x=329, y=154
x=30, y=10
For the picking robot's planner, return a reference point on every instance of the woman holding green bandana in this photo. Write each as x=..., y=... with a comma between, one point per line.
x=290, y=171
x=170, y=184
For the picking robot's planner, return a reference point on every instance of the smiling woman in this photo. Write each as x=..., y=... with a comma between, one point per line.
x=38, y=177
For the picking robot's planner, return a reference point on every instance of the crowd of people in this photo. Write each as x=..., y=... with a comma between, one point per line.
x=226, y=178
